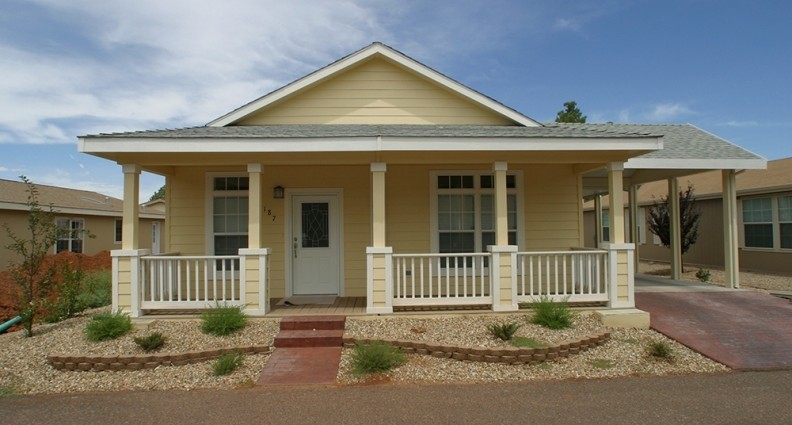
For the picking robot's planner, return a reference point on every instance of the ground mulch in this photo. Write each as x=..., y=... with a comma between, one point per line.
x=9, y=290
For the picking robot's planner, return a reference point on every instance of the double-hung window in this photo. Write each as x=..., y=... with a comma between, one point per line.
x=229, y=215
x=785, y=221
x=757, y=217
x=465, y=211
x=72, y=232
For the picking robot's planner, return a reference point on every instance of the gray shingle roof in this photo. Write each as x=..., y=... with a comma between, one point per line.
x=329, y=131
x=683, y=141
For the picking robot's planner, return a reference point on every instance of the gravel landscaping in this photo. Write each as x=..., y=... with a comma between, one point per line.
x=762, y=281
x=625, y=354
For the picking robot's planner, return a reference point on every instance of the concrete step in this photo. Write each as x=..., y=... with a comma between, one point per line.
x=307, y=323
x=310, y=338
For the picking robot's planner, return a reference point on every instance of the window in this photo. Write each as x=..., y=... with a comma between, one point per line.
x=785, y=221
x=229, y=215
x=757, y=217
x=465, y=211
x=605, y=226
x=118, y=230
x=72, y=231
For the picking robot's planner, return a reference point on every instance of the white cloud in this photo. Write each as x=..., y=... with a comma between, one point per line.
x=571, y=24
x=735, y=123
x=669, y=111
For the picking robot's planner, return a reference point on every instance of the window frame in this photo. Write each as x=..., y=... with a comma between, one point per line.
x=118, y=231
x=477, y=191
x=70, y=233
x=775, y=221
x=211, y=194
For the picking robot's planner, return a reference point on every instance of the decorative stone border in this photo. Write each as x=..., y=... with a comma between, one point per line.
x=511, y=355
x=146, y=361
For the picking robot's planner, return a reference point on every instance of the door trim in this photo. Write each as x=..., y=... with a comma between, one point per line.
x=288, y=228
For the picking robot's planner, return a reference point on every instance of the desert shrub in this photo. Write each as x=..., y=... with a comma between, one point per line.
x=703, y=275
x=67, y=303
x=551, y=314
x=223, y=320
x=105, y=326
x=660, y=350
x=96, y=289
x=525, y=342
x=150, y=342
x=503, y=331
x=376, y=357
x=227, y=363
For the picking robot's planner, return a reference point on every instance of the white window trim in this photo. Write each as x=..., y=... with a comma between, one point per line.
x=82, y=238
x=776, y=223
x=209, y=204
x=434, y=232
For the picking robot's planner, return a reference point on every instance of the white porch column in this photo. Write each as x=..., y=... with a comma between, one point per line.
x=501, y=204
x=635, y=238
x=254, y=206
x=616, y=197
x=730, y=243
x=598, y=219
x=129, y=228
x=379, y=257
x=676, y=229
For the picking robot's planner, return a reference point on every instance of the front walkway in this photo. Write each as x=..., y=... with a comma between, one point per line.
x=745, y=330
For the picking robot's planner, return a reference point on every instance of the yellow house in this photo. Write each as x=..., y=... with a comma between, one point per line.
x=376, y=177
x=94, y=220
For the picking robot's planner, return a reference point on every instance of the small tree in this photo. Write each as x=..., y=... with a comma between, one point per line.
x=571, y=113
x=32, y=275
x=660, y=223
x=159, y=194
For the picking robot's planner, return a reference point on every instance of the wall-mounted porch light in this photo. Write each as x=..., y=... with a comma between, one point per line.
x=277, y=192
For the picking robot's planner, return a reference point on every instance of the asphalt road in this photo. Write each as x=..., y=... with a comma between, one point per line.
x=734, y=398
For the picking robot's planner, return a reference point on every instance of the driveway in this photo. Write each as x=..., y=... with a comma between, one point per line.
x=745, y=330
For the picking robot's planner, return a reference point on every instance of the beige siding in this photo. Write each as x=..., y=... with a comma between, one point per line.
x=101, y=229
x=551, y=207
x=376, y=92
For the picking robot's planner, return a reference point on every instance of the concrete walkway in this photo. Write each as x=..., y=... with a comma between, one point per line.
x=745, y=330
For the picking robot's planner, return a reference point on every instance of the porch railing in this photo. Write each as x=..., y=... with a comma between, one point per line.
x=578, y=275
x=441, y=279
x=190, y=282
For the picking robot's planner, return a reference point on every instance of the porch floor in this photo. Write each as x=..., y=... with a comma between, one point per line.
x=342, y=306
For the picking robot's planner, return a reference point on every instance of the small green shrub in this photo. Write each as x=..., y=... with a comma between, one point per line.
x=67, y=303
x=150, y=342
x=601, y=363
x=661, y=350
x=7, y=391
x=108, y=326
x=703, y=275
x=503, y=331
x=630, y=340
x=551, y=314
x=223, y=320
x=376, y=357
x=97, y=289
x=227, y=363
x=521, y=341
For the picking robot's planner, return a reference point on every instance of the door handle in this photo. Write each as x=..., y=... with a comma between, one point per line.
x=295, y=247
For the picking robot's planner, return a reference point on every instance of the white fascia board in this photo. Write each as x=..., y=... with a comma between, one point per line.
x=696, y=164
x=363, y=144
x=77, y=211
x=375, y=49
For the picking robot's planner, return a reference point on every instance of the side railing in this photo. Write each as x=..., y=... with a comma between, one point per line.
x=441, y=279
x=190, y=282
x=578, y=275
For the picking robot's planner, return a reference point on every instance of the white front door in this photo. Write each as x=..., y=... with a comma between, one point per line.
x=315, y=244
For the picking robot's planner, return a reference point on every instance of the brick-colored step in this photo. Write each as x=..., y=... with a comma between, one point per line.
x=310, y=338
x=307, y=323
x=301, y=366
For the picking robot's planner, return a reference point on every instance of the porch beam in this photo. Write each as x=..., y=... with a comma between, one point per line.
x=676, y=229
x=616, y=197
x=129, y=228
x=254, y=206
x=378, y=170
x=730, y=243
x=501, y=204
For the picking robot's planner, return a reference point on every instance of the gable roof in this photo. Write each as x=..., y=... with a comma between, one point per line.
x=376, y=49
x=14, y=196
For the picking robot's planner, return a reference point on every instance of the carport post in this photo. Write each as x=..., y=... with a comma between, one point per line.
x=676, y=229
x=730, y=244
x=635, y=238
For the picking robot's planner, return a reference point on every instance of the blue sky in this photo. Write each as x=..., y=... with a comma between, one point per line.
x=75, y=67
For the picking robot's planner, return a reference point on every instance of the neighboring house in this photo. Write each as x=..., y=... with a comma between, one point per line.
x=764, y=202
x=379, y=177
x=93, y=219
